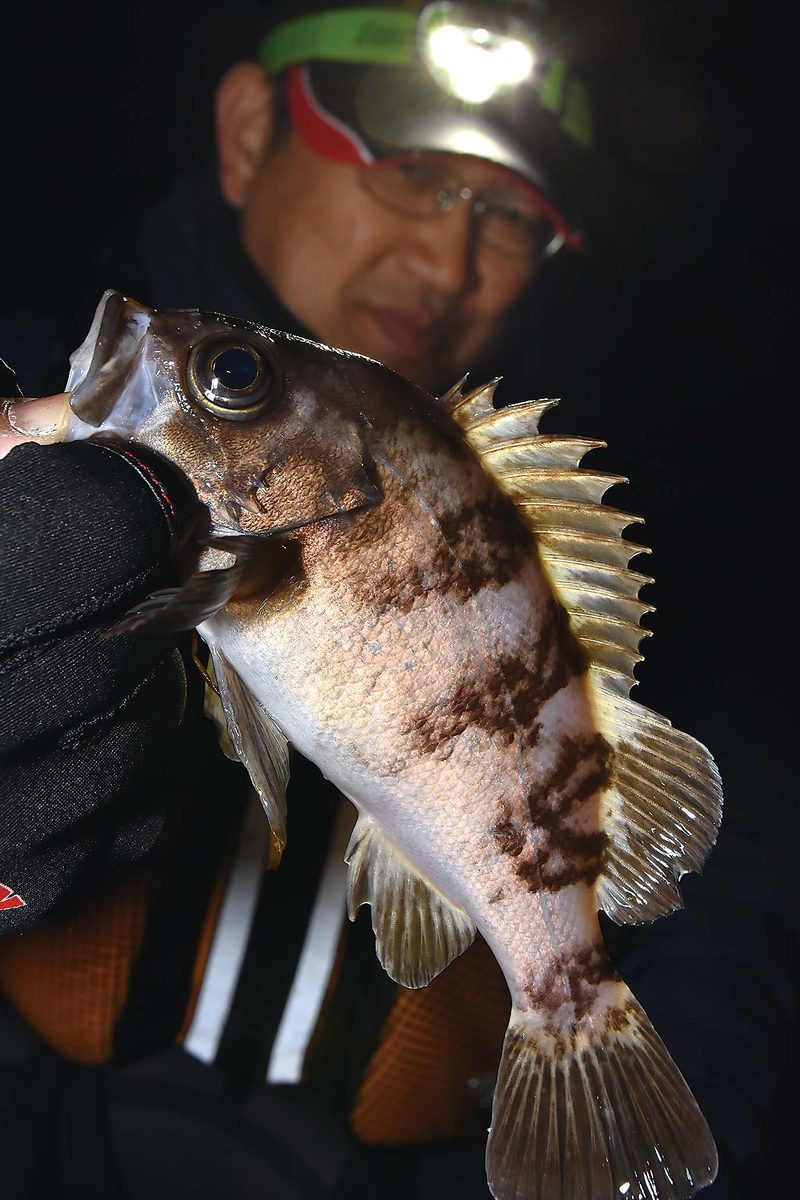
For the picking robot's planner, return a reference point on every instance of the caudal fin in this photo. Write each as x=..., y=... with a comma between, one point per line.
x=598, y=1113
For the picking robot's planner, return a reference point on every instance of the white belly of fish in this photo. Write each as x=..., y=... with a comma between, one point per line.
x=346, y=696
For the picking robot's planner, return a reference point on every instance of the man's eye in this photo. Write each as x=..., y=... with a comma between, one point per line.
x=512, y=214
x=415, y=173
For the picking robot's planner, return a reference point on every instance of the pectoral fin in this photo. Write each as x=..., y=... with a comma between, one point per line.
x=260, y=563
x=259, y=745
x=418, y=931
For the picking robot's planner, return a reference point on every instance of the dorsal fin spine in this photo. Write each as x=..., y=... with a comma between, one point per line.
x=469, y=409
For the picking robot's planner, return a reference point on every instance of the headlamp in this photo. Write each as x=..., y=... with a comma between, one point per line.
x=474, y=51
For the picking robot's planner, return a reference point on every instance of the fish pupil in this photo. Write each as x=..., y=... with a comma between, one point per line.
x=236, y=368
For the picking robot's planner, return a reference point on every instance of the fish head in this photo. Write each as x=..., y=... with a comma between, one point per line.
x=268, y=427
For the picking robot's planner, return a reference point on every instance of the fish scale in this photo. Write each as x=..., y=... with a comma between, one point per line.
x=430, y=601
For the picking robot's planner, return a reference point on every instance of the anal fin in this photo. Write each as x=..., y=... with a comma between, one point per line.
x=418, y=931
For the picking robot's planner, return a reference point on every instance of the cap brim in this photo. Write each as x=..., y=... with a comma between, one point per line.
x=362, y=114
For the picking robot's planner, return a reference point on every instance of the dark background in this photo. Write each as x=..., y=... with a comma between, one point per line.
x=679, y=358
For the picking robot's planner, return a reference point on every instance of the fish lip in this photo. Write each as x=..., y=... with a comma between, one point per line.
x=106, y=355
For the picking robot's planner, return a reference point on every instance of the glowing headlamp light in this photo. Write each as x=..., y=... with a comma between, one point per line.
x=472, y=51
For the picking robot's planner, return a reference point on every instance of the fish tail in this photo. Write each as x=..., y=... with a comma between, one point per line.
x=595, y=1111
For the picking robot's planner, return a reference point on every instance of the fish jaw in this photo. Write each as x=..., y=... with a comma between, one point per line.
x=105, y=398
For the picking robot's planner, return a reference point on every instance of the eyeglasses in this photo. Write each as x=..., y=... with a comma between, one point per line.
x=424, y=186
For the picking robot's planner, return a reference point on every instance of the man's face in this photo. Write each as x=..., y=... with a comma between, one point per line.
x=424, y=296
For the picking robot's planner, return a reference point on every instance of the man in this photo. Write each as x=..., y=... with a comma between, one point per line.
x=370, y=233
x=426, y=292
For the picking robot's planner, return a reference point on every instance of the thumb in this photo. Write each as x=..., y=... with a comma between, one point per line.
x=42, y=420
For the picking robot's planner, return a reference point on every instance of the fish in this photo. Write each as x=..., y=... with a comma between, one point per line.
x=428, y=598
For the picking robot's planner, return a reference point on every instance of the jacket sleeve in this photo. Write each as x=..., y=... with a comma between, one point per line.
x=85, y=720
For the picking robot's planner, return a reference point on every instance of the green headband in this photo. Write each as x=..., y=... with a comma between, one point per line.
x=355, y=35
x=388, y=37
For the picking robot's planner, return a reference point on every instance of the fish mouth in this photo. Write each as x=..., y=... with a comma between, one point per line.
x=103, y=361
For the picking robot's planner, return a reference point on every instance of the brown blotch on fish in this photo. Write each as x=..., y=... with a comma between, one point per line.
x=581, y=769
x=587, y=970
x=541, y=991
x=509, y=837
x=504, y=702
x=489, y=540
x=576, y=858
x=567, y=854
x=562, y=1040
x=483, y=545
x=388, y=586
x=481, y=702
x=575, y=980
x=617, y=1019
x=558, y=655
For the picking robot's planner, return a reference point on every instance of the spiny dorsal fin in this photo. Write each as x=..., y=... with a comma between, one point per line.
x=473, y=406
x=580, y=541
x=663, y=805
x=490, y=426
x=418, y=931
x=453, y=394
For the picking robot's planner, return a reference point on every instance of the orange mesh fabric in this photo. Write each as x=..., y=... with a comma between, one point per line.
x=69, y=978
x=438, y=1038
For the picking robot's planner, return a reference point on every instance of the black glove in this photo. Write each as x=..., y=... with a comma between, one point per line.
x=88, y=530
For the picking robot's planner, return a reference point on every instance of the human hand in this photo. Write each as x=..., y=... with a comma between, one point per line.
x=23, y=419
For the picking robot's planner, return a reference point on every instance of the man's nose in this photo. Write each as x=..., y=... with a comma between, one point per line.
x=442, y=249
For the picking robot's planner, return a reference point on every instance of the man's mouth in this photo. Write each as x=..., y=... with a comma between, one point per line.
x=412, y=334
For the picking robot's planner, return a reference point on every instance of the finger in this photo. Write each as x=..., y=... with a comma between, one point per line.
x=42, y=420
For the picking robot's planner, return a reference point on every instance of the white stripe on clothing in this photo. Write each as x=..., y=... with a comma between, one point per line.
x=231, y=935
x=316, y=958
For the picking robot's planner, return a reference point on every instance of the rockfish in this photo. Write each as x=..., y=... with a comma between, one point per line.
x=428, y=599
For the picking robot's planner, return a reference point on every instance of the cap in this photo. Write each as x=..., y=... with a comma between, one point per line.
x=376, y=82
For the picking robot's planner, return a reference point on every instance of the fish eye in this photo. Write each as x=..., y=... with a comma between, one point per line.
x=233, y=377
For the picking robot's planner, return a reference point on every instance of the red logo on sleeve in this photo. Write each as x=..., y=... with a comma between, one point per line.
x=9, y=899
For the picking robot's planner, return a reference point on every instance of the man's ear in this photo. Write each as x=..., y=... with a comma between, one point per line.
x=243, y=104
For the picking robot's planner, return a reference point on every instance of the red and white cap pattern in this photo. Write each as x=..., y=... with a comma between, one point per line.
x=9, y=898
